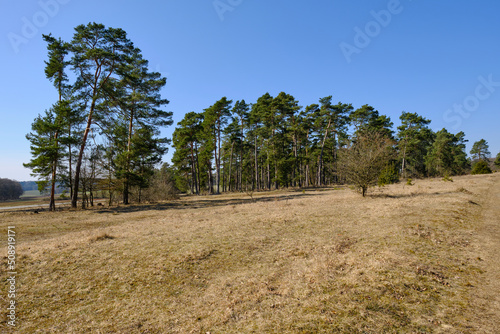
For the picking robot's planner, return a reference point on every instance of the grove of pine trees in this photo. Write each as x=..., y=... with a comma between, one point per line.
x=103, y=134
x=275, y=143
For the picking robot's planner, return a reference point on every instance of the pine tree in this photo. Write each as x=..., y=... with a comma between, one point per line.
x=186, y=141
x=260, y=131
x=135, y=93
x=330, y=119
x=414, y=140
x=480, y=150
x=45, y=151
x=440, y=158
x=367, y=118
x=97, y=53
x=241, y=115
x=47, y=130
x=215, y=118
x=286, y=109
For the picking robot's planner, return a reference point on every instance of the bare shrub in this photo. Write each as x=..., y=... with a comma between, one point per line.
x=161, y=188
x=363, y=161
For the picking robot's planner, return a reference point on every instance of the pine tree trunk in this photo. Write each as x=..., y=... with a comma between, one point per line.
x=256, y=164
x=210, y=179
x=52, y=204
x=197, y=169
x=295, y=163
x=218, y=159
x=70, y=168
x=126, y=190
x=194, y=177
x=230, y=165
x=320, y=158
x=307, y=175
x=78, y=168
x=240, y=166
x=268, y=175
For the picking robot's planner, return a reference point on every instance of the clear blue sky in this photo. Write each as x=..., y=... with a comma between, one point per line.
x=440, y=59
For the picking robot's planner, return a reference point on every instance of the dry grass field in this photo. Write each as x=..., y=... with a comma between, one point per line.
x=405, y=259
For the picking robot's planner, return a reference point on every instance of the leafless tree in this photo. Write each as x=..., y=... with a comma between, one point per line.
x=362, y=161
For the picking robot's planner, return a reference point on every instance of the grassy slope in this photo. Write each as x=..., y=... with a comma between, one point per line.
x=402, y=260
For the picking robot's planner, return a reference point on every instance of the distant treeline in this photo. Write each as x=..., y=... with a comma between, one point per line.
x=29, y=185
x=33, y=185
x=10, y=190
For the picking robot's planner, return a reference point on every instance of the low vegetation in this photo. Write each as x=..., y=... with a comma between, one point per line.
x=402, y=259
x=10, y=190
x=481, y=167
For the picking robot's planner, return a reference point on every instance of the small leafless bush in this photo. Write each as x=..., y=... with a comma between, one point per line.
x=364, y=159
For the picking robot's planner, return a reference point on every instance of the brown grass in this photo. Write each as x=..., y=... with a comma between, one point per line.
x=404, y=259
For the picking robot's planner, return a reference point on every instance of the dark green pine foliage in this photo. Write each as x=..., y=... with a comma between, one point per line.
x=215, y=119
x=367, y=119
x=241, y=116
x=447, y=154
x=309, y=143
x=147, y=151
x=114, y=94
x=232, y=143
x=481, y=167
x=260, y=134
x=414, y=141
x=285, y=108
x=187, y=138
x=275, y=143
x=48, y=130
x=480, y=154
x=44, y=148
x=135, y=95
x=330, y=127
x=480, y=150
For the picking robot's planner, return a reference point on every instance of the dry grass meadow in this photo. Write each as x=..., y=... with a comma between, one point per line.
x=406, y=259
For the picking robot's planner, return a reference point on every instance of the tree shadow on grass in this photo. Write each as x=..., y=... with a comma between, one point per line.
x=194, y=203
x=411, y=195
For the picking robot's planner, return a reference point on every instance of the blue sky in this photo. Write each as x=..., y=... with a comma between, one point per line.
x=439, y=59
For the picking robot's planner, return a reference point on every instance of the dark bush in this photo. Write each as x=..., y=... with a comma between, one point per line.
x=481, y=167
x=10, y=190
x=389, y=175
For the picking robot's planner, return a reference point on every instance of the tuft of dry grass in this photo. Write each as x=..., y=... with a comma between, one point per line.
x=101, y=237
x=405, y=259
